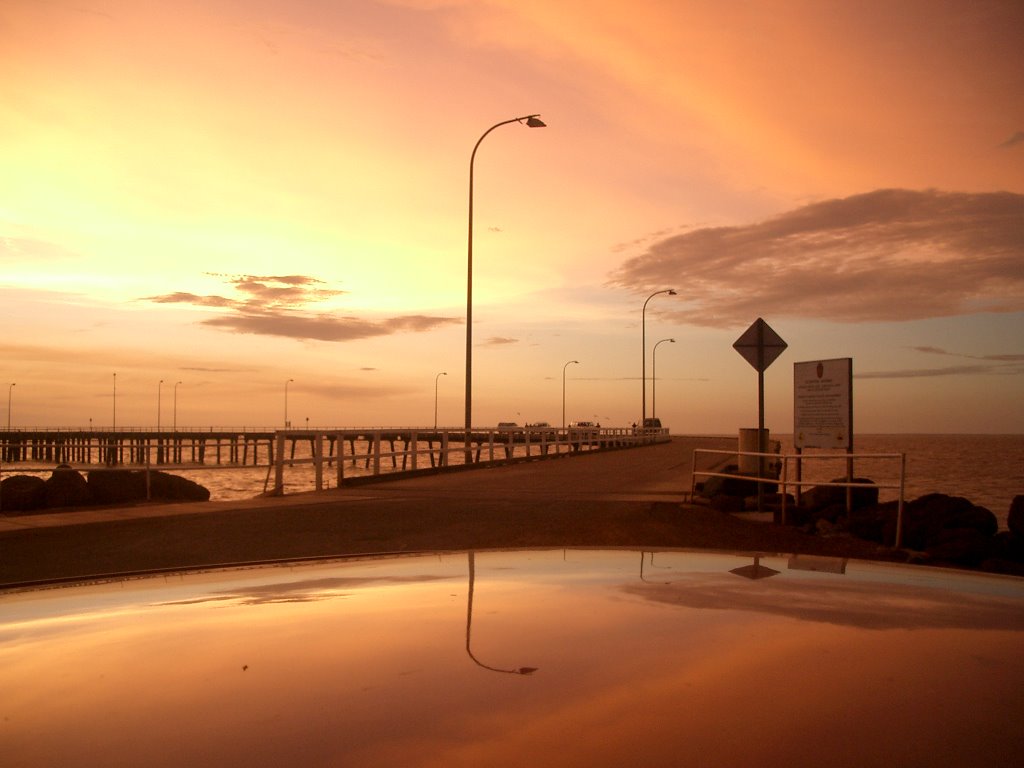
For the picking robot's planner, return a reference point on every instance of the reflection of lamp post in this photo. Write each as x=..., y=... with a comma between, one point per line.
x=643, y=343
x=469, y=624
x=443, y=373
x=286, y=402
x=10, y=389
x=531, y=121
x=158, y=387
x=654, y=376
x=563, y=389
x=175, y=425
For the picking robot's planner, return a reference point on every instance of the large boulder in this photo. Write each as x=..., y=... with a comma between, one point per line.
x=66, y=488
x=947, y=528
x=820, y=496
x=22, y=493
x=1015, y=517
x=128, y=486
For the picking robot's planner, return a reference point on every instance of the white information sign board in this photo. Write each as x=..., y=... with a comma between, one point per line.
x=823, y=404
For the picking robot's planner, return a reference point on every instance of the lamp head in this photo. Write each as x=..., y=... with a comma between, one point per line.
x=671, y=291
x=534, y=121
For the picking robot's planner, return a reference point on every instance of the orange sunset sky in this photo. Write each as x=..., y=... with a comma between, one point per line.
x=232, y=194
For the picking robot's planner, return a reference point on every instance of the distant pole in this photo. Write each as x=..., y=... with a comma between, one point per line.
x=654, y=377
x=159, y=386
x=643, y=344
x=571, y=362
x=175, y=425
x=9, y=391
x=286, y=402
x=442, y=373
x=113, y=418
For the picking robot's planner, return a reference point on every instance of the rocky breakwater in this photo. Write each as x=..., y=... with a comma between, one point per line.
x=937, y=529
x=66, y=487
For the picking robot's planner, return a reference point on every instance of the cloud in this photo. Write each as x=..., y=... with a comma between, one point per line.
x=274, y=305
x=887, y=255
x=1017, y=138
x=1011, y=358
x=956, y=370
x=498, y=341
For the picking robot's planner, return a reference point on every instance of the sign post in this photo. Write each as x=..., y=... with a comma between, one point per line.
x=760, y=346
x=823, y=410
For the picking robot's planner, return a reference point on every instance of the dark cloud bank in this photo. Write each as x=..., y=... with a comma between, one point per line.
x=887, y=255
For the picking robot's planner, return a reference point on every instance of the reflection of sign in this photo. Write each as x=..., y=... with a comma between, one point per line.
x=760, y=345
x=822, y=404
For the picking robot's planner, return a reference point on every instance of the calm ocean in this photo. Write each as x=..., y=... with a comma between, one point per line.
x=986, y=469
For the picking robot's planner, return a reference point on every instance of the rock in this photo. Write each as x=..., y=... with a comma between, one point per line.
x=168, y=487
x=960, y=546
x=22, y=493
x=128, y=486
x=1006, y=545
x=66, y=488
x=118, y=486
x=1015, y=518
x=820, y=496
x=926, y=521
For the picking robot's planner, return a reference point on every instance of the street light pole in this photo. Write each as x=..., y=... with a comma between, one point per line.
x=531, y=121
x=175, y=425
x=286, y=402
x=159, y=386
x=571, y=362
x=654, y=377
x=643, y=344
x=9, y=391
x=443, y=373
x=113, y=419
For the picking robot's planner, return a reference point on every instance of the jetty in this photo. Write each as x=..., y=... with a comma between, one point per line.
x=374, y=450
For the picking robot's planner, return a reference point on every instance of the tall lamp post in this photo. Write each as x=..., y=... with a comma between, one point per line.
x=175, y=424
x=113, y=418
x=643, y=340
x=286, y=402
x=654, y=377
x=10, y=389
x=571, y=362
x=159, y=386
x=443, y=373
x=531, y=121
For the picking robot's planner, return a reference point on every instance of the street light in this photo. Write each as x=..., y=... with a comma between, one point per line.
x=9, y=391
x=643, y=338
x=286, y=402
x=443, y=373
x=158, y=387
x=654, y=376
x=175, y=427
x=113, y=418
x=571, y=362
x=469, y=627
x=532, y=121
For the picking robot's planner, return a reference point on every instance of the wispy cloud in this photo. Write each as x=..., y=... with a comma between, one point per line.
x=499, y=341
x=887, y=255
x=275, y=305
x=955, y=370
x=1013, y=141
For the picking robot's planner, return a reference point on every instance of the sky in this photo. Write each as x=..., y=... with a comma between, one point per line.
x=239, y=212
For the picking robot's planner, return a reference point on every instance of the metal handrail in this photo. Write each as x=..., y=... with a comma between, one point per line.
x=784, y=482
